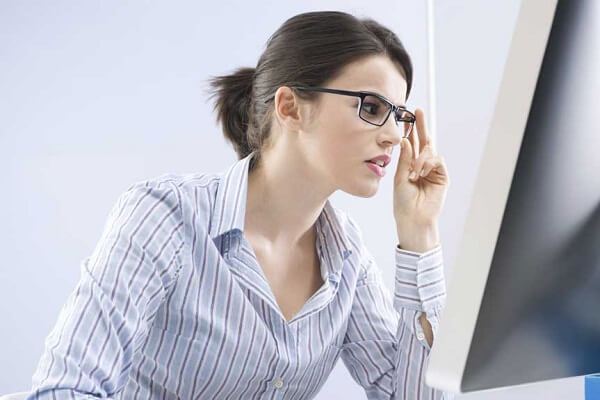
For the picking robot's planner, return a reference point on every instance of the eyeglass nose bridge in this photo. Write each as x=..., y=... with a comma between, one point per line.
x=397, y=110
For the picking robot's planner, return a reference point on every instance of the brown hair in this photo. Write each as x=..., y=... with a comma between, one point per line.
x=309, y=49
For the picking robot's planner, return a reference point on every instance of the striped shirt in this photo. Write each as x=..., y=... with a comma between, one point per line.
x=173, y=304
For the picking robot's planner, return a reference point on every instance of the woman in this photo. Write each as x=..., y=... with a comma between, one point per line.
x=249, y=283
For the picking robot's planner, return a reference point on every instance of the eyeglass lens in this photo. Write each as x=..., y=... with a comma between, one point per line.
x=376, y=111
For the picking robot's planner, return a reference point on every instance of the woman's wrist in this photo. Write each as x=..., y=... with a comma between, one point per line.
x=418, y=238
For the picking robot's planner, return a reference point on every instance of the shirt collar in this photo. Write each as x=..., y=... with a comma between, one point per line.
x=230, y=209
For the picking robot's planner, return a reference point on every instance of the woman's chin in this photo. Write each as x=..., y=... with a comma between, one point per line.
x=363, y=183
x=368, y=189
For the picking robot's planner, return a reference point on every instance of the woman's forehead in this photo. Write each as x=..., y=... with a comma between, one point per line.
x=377, y=74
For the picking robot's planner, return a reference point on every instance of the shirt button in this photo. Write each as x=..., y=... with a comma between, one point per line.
x=278, y=383
x=420, y=336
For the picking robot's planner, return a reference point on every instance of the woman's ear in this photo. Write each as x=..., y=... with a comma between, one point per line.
x=290, y=110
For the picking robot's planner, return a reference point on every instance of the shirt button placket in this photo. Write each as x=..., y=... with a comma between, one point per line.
x=277, y=383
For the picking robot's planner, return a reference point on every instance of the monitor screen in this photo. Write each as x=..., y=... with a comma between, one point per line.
x=538, y=316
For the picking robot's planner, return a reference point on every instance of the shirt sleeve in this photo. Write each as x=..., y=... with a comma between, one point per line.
x=89, y=352
x=385, y=349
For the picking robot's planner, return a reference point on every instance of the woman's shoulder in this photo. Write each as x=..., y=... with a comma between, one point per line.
x=192, y=193
x=183, y=180
x=184, y=184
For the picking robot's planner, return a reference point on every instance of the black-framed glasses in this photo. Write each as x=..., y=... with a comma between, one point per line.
x=373, y=107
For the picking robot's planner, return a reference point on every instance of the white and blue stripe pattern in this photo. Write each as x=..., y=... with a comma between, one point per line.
x=172, y=304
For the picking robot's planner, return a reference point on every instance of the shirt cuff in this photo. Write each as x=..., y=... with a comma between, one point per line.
x=420, y=283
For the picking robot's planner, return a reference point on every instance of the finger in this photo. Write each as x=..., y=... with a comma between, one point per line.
x=435, y=163
x=424, y=159
x=414, y=141
x=407, y=128
x=402, y=169
x=422, y=133
x=417, y=162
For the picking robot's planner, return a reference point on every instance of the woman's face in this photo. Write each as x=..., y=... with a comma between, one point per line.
x=339, y=143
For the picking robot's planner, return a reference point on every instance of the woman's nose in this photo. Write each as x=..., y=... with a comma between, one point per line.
x=391, y=132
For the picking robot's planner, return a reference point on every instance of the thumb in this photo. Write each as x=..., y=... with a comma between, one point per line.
x=406, y=155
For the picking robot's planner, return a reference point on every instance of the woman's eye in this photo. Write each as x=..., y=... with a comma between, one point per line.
x=370, y=107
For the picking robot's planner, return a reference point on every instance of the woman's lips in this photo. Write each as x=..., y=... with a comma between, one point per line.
x=379, y=171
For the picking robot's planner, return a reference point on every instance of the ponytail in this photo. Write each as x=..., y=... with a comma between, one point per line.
x=232, y=106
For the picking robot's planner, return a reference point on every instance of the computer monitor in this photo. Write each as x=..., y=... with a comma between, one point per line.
x=523, y=300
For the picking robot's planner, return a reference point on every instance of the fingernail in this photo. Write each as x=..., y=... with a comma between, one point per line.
x=413, y=175
x=423, y=172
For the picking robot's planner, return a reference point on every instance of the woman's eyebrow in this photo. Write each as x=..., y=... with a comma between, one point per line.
x=371, y=91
